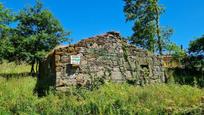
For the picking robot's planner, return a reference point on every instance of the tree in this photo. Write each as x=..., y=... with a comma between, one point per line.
x=196, y=59
x=176, y=51
x=165, y=42
x=37, y=32
x=145, y=14
x=6, y=18
x=197, y=46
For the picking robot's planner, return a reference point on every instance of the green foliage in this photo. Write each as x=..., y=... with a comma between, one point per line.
x=166, y=33
x=196, y=60
x=145, y=14
x=197, y=46
x=147, y=31
x=6, y=17
x=195, y=63
x=192, y=72
x=176, y=51
x=11, y=67
x=187, y=76
x=37, y=32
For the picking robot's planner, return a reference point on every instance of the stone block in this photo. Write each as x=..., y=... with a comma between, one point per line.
x=65, y=59
x=58, y=64
x=59, y=74
x=128, y=74
x=59, y=53
x=59, y=69
x=71, y=49
x=57, y=58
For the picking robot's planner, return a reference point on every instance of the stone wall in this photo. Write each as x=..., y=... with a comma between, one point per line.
x=106, y=57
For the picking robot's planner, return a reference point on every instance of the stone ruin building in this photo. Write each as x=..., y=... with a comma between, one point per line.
x=107, y=57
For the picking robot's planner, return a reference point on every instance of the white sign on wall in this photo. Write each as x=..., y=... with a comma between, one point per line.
x=75, y=59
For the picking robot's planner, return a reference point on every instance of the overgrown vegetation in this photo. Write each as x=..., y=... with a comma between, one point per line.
x=17, y=97
x=192, y=72
x=35, y=33
x=11, y=67
x=197, y=46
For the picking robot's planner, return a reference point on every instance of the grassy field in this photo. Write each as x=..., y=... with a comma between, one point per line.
x=17, y=97
x=12, y=68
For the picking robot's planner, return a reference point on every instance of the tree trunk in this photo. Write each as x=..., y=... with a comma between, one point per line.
x=37, y=67
x=158, y=31
x=159, y=41
x=32, y=72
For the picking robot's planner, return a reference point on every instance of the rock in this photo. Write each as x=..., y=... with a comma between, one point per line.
x=65, y=59
x=59, y=53
x=57, y=58
x=58, y=69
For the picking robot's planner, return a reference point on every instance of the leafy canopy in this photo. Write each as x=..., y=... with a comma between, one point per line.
x=197, y=46
x=37, y=32
x=6, y=18
x=145, y=15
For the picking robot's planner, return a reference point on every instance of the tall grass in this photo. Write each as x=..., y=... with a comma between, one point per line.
x=9, y=68
x=17, y=97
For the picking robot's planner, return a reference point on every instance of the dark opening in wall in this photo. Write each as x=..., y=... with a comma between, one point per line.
x=71, y=69
x=144, y=66
x=144, y=71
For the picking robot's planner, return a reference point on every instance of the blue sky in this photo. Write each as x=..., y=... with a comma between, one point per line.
x=85, y=18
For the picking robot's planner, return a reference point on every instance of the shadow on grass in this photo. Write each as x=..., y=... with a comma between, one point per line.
x=42, y=86
x=15, y=75
x=188, y=76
